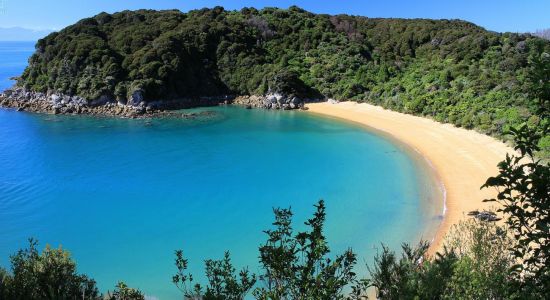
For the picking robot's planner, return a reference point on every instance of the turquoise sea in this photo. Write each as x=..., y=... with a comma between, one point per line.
x=122, y=194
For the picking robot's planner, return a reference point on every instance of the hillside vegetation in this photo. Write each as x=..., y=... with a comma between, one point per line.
x=450, y=70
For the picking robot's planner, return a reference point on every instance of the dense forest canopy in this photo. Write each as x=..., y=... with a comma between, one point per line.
x=451, y=70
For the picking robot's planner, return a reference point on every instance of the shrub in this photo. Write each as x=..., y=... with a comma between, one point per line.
x=50, y=274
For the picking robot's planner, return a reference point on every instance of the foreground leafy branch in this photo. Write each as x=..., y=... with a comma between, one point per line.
x=297, y=266
x=523, y=186
x=50, y=274
x=223, y=283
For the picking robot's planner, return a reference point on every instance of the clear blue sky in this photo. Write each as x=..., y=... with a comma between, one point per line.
x=497, y=15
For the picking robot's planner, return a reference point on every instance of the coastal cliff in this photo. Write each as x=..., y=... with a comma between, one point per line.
x=135, y=62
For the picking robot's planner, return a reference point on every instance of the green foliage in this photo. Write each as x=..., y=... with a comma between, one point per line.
x=183, y=280
x=539, y=82
x=223, y=283
x=288, y=83
x=123, y=292
x=297, y=266
x=450, y=70
x=50, y=274
x=4, y=282
x=393, y=277
x=523, y=186
x=474, y=264
x=482, y=268
x=482, y=260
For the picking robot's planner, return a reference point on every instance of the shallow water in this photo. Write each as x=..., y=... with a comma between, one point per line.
x=122, y=195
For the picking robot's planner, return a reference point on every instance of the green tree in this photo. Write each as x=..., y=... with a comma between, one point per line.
x=223, y=283
x=183, y=280
x=523, y=186
x=539, y=82
x=124, y=292
x=50, y=274
x=482, y=268
x=474, y=264
x=297, y=266
x=396, y=278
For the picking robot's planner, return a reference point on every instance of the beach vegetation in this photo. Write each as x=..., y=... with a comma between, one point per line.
x=523, y=185
x=482, y=260
x=474, y=264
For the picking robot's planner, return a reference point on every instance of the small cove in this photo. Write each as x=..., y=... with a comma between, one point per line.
x=122, y=194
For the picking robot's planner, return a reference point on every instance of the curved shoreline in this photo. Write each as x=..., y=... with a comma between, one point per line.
x=461, y=159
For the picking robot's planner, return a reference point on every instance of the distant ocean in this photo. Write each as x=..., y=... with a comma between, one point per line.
x=13, y=60
x=122, y=195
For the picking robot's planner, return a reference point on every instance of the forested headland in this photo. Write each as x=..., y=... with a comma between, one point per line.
x=450, y=70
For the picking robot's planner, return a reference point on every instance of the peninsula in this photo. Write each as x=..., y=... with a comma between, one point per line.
x=135, y=62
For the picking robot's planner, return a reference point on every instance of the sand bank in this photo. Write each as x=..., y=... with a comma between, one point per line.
x=462, y=159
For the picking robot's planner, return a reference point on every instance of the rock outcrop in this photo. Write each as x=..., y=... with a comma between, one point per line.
x=271, y=101
x=55, y=103
x=135, y=107
x=484, y=215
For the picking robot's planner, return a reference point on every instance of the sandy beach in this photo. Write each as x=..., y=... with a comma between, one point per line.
x=462, y=159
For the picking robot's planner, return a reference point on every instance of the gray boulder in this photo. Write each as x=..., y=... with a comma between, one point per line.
x=102, y=100
x=54, y=98
x=136, y=98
